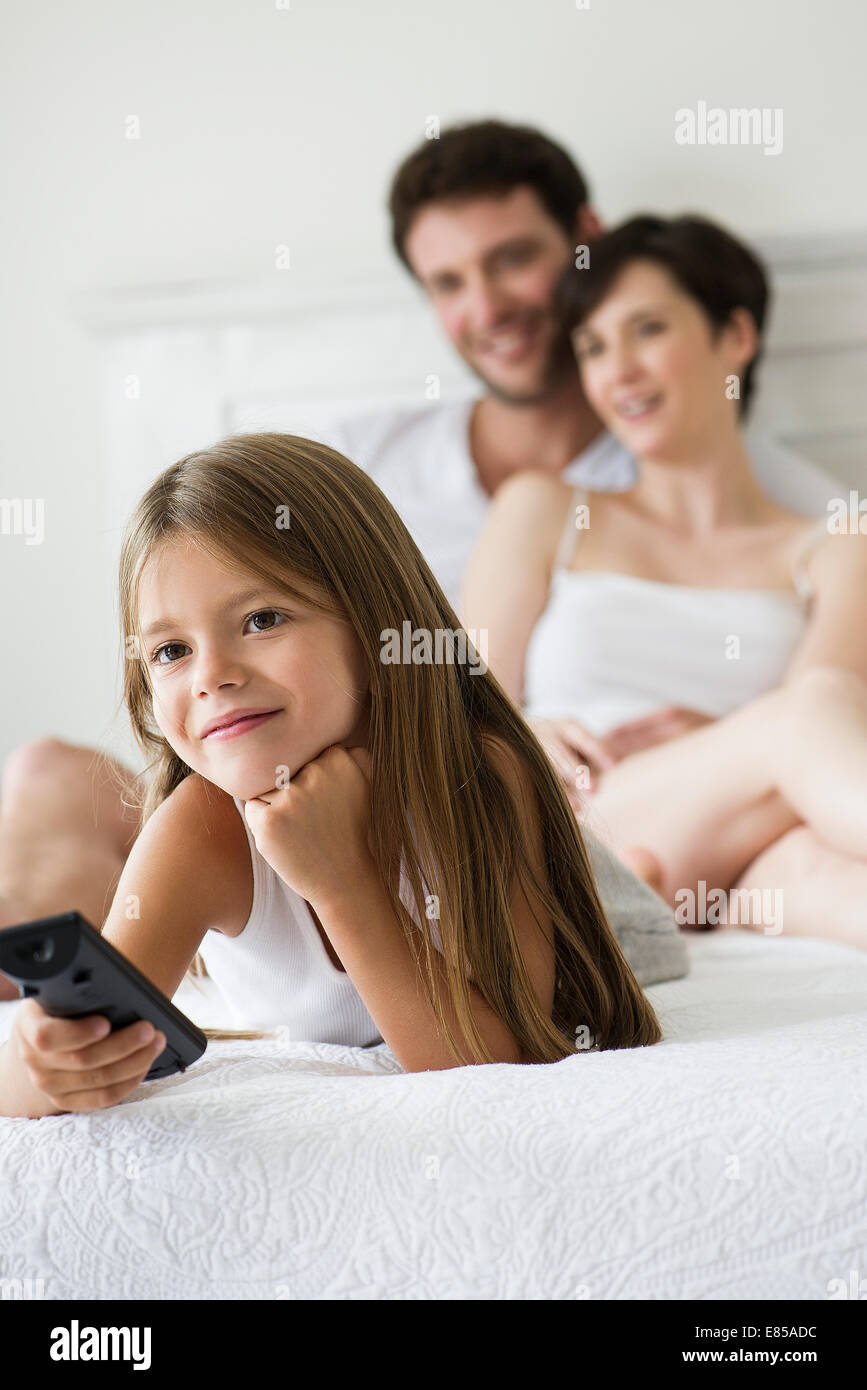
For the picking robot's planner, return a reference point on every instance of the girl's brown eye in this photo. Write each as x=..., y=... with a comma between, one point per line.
x=166, y=647
x=264, y=613
x=269, y=613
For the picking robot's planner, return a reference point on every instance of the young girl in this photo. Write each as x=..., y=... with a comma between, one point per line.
x=397, y=816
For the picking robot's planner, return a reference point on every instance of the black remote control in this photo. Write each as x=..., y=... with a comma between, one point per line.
x=71, y=971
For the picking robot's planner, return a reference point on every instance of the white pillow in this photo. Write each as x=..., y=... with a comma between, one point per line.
x=644, y=925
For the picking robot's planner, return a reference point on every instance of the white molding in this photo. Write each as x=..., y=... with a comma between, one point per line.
x=291, y=348
x=279, y=296
x=787, y=253
x=286, y=293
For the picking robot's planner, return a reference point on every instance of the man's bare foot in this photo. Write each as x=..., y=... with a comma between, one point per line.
x=644, y=865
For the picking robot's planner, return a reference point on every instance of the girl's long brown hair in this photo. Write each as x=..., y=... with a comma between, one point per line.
x=346, y=545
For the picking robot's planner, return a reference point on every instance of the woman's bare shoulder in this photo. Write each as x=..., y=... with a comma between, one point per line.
x=837, y=562
x=527, y=515
x=533, y=488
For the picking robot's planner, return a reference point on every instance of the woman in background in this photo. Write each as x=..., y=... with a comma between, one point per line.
x=690, y=589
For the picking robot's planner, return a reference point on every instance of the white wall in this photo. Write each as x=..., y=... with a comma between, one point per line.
x=263, y=126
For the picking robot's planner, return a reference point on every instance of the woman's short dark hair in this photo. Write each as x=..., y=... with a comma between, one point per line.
x=466, y=161
x=708, y=263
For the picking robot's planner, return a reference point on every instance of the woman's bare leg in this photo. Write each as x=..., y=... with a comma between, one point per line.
x=708, y=803
x=64, y=834
x=821, y=891
x=644, y=865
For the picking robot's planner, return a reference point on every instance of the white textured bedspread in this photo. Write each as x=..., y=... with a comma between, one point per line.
x=729, y=1161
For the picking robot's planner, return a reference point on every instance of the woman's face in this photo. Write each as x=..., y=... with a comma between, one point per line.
x=218, y=639
x=652, y=370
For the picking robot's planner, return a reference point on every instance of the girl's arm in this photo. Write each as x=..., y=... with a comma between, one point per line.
x=508, y=575
x=188, y=870
x=371, y=945
x=837, y=633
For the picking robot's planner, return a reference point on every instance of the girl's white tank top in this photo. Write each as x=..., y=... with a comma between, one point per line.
x=609, y=647
x=277, y=972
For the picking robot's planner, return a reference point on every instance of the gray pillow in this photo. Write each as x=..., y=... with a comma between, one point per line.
x=644, y=925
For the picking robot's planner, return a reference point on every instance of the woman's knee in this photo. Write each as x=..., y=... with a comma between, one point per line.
x=822, y=689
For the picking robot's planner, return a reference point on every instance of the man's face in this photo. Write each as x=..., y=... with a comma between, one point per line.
x=490, y=265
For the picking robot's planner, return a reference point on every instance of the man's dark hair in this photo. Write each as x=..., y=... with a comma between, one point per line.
x=708, y=263
x=485, y=157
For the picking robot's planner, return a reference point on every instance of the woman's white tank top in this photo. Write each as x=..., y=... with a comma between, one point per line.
x=277, y=972
x=609, y=648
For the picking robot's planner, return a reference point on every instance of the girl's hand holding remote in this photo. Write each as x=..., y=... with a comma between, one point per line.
x=314, y=831
x=78, y=1063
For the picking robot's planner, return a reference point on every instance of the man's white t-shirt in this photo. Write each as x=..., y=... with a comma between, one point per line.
x=421, y=460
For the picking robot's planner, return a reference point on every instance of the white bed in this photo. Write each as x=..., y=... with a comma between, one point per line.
x=729, y=1161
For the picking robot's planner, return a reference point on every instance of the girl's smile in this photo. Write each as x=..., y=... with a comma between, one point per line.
x=244, y=722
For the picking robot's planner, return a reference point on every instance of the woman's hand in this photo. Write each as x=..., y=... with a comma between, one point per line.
x=78, y=1063
x=314, y=832
x=658, y=727
x=579, y=756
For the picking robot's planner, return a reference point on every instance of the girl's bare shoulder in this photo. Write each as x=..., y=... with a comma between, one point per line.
x=207, y=820
x=510, y=766
x=188, y=871
x=533, y=924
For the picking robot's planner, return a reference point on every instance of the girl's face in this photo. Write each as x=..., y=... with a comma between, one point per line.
x=653, y=371
x=217, y=640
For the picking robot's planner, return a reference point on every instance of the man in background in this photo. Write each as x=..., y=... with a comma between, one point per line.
x=486, y=218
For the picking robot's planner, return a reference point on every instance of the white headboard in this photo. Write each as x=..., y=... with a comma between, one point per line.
x=184, y=364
